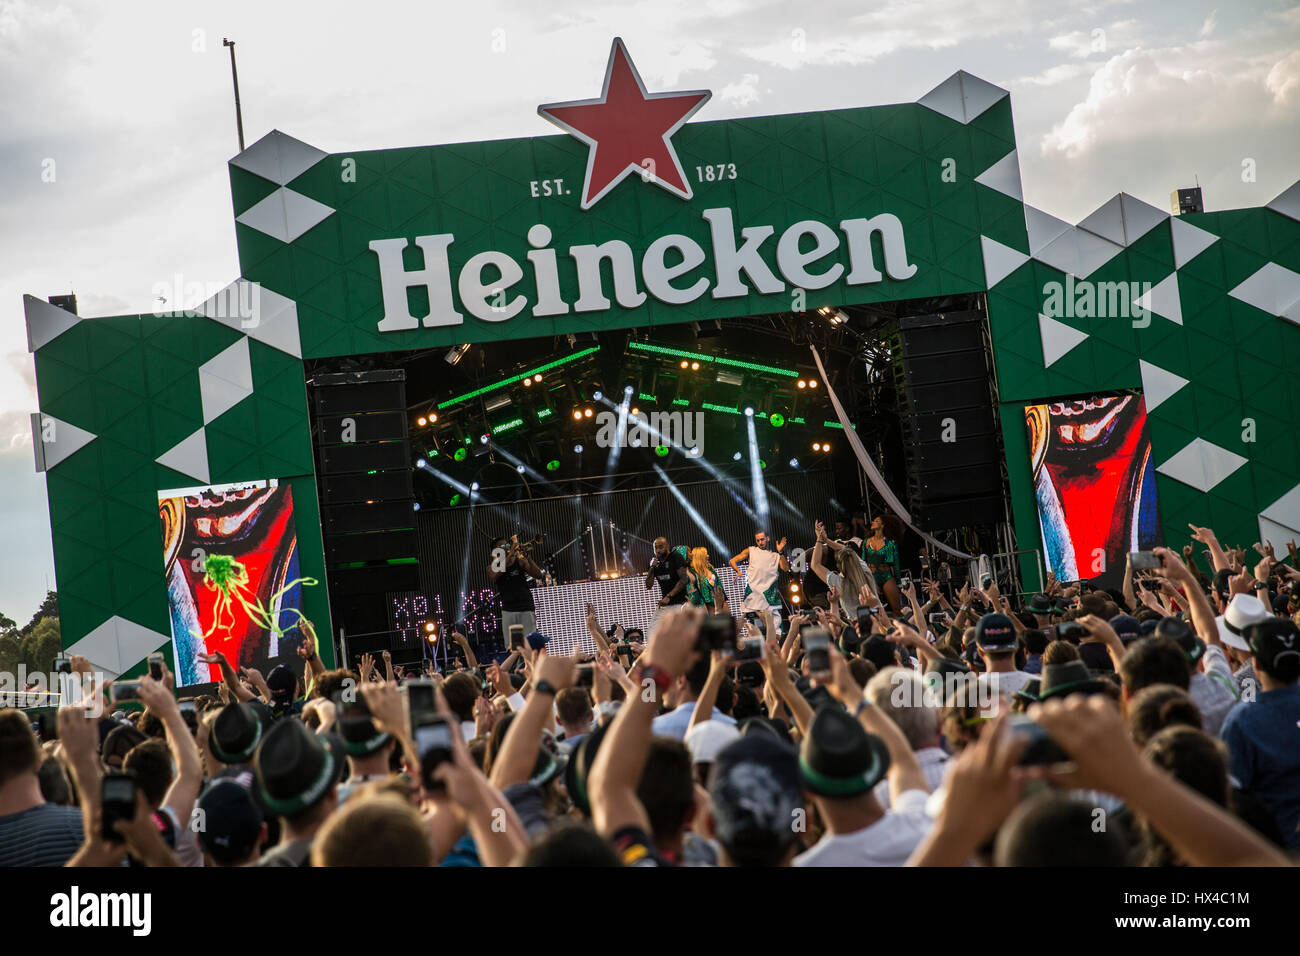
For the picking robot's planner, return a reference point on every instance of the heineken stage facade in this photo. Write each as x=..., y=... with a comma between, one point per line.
x=168, y=438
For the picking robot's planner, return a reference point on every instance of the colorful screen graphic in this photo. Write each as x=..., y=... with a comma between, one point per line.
x=251, y=523
x=1094, y=481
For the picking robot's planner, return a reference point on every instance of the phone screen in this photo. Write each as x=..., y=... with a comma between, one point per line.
x=817, y=645
x=118, y=803
x=419, y=700
x=516, y=636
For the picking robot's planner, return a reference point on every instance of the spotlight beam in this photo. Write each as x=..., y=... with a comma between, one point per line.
x=758, y=485
x=714, y=540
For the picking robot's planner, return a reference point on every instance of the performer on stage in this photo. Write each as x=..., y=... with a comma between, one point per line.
x=849, y=574
x=761, y=593
x=669, y=569
x=881, y=554
x=705, y=589
x=511, y=584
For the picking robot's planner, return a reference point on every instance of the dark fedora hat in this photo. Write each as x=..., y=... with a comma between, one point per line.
x=295, y=767
x=236, y=732
x=1181, y=632
x=1039, y=604
x=839, y=758
x=1071, y=677
x=579, y=765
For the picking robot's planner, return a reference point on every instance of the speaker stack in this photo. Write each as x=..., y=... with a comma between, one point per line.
x=363, y=464
x=943, y=378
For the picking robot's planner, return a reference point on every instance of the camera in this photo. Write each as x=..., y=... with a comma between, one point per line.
x=717, y=633
x=749, y=650
x=118, y=802
x=817, y=645
x=1042, y=749
x=433, y=742
x=125, y=690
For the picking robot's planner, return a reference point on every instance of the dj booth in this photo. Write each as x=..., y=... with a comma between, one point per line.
x=561, y=616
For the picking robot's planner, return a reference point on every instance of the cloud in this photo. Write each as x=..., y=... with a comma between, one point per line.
x=1283, y=80
x=742, y=92
x=1212, y=21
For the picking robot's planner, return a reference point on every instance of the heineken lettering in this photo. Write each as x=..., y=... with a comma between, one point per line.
x=807, y=256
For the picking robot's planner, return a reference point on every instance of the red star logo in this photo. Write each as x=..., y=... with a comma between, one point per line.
x=628, y=129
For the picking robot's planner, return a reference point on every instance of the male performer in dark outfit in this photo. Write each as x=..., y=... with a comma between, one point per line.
x=669, y=569
x=511, y=584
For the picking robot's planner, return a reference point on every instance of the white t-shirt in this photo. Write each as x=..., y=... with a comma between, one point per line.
x=1004, y=683
x=934, y=765
x=887, y=842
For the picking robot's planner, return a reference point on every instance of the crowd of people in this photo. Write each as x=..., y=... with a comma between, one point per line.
x=890, y=721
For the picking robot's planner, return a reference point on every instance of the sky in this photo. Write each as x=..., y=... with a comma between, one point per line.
x=117, y=120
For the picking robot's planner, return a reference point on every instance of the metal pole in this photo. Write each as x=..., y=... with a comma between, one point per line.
x=234, y=73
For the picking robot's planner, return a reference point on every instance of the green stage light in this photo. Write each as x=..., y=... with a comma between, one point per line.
x=507, y=426
x=661, y=450
x=717, y=360
x=830, y=424
x=506, y=382
x=729, y=409
x=544, y=414
x=553, y=465
x=777, y=419
x=681, y=401
x=762, y=463
x=644, y=397
x=455, y=500
x=461, y=454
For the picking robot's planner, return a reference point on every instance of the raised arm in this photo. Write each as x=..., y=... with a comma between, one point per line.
x=518, y=755
x=616, y=772
x=1199, y=605
x=735, y=562
x=185, y=754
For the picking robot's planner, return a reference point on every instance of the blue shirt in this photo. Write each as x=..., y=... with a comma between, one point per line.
x=1034, y=664
x=675, y=723
x=1263, y=739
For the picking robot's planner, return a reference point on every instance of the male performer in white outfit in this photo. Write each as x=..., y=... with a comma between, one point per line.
x=761, y=592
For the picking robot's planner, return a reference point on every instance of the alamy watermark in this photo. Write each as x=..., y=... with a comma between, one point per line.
x=240, y=300
x=676, y=429
x=1080, y=299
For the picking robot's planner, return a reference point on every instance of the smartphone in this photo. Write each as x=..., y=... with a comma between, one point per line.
x=864, y=618
x=937, y=617
x=817, y=643
x=625, y=655
x=118, y=801
x=62, y=665
x=156, y=666
x=904, y=582
x=752, y=649
x=433, y=743
x=516, y=637
x=986, y=581
x=125, y=690
x=1042, y=749
x=717, y=633
x=1144, y=561
x=1071, y=631
x=586, y=676
x=420, y=706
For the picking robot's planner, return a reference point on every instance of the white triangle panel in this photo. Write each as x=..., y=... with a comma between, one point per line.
x=45, y=322
x=1201, y=464
x=962, y=97
x=1158, y=384
x=1043, y=228
x=999, y=260
x=285, y=215
x=1057, y=338
x=1288, y=202
x=117, y=645
x=54, y=440
x=1004, y=176
x=189, y=456
x=259, y=313
x=1189, y=241
x=278, y=157
x=1272, y=289
x=1163, y=299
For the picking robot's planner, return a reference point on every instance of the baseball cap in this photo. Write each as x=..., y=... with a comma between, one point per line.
x=1127, y=627
x=232, y=821
x=995, y=632
x=1181, y=632
x=282, y=680
x=1276, y=646
x=1242, y=611
x=705, y=740
x=754, y=793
